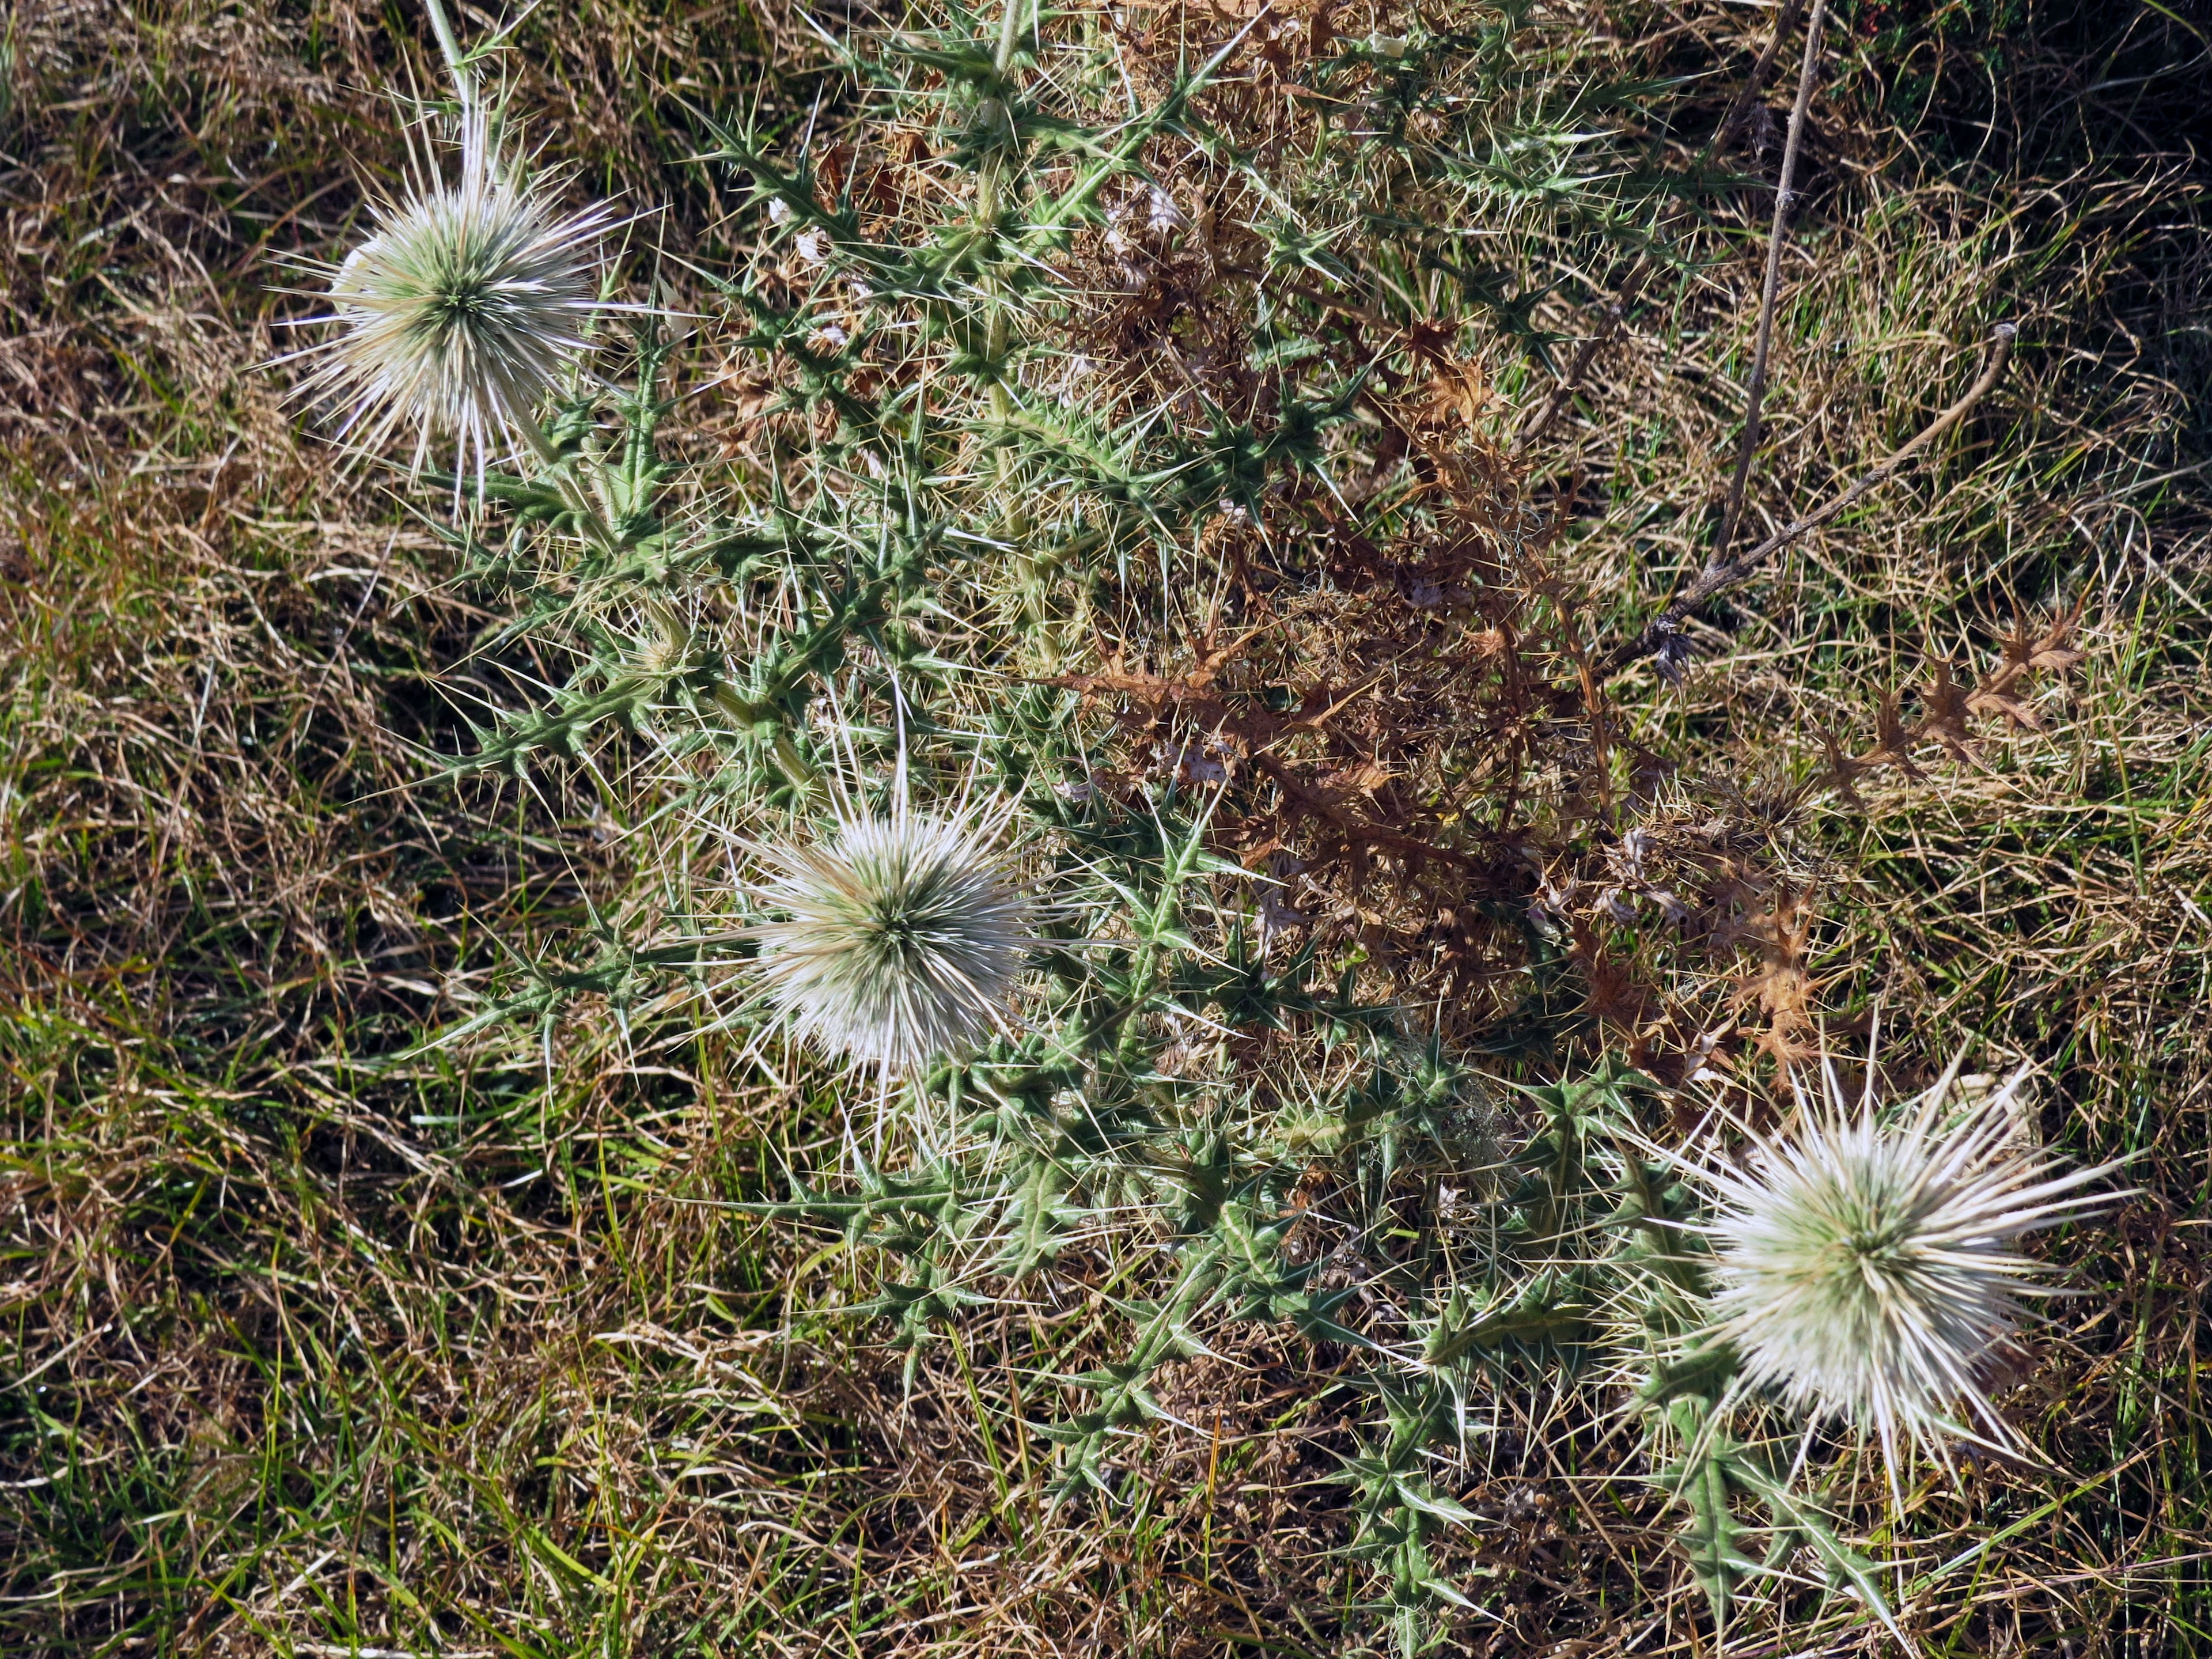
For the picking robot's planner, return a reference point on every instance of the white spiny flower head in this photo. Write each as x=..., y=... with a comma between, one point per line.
x=1868, y=1271
x=463, y=309
x=903, y=937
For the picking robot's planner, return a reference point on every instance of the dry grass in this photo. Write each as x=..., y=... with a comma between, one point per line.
x=318, y=1344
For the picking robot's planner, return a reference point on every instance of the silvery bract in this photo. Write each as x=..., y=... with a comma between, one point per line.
x=463, y=310
x=1866, y=1272
x=903, y=938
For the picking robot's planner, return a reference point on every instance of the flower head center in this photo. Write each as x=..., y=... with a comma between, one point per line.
x=900, y=929
x=1877, y=1242
x=464, y=302
x=465, y=292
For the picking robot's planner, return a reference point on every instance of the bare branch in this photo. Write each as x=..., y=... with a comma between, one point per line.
x=1632, y=287
x=1785, y=197
x=1663, y=635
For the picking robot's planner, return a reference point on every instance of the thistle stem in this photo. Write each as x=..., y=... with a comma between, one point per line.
x=988, y=187
x=450, y=44
x=590, y=520
x=1009, y=31
x=992, y=171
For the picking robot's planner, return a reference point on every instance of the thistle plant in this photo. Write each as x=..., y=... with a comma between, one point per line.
x=903, y=936
x=1332, y=646
x=1866, y=1270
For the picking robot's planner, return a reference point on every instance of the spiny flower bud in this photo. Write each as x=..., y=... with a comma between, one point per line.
x=903, y=937
x=1866, y=1272
x=463, y=310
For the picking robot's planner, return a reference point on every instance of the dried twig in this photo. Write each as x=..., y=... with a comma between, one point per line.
x=1662, y=636
x=1785, y=197
x=1632, y=287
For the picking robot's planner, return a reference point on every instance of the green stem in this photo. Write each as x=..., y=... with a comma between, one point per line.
x=590, y=520
x=450, y=43
x=988, y=187
x=1010, y=30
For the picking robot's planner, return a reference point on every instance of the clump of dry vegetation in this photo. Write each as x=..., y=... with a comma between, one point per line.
x=1289, y=471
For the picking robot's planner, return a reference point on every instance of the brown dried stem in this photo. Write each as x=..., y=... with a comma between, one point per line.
x=1785, y=197
x=1633, y=286
x=1719, y=575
